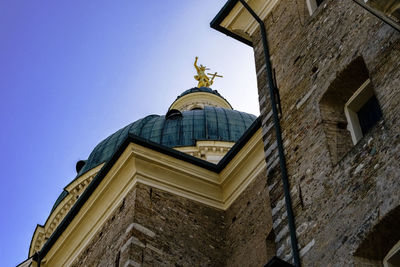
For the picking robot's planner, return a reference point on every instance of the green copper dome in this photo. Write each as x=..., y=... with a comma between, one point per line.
x=176, y=129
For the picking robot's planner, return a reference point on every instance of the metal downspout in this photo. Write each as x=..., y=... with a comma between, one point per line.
x=282, y=160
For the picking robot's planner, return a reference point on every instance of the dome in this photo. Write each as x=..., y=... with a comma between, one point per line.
x=198, y=114
x=176, y=130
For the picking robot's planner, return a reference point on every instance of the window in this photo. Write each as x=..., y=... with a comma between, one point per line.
x=362, y=111
x=349, y=109
x=313, y=5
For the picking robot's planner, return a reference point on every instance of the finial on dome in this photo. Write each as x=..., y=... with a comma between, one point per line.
x=202, y=78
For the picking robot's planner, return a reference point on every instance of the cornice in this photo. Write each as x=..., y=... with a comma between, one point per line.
x=75, y=184
x=38, y=240
x=92, y=215
x=211, y=151
x=74, y=189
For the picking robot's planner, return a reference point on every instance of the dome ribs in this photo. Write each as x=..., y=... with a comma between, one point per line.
x=162, y=131
x=236, y=124
x=180, y=134
x=119, y=139
x=146, y=126
x=148, y=137
x=211, y=123
x=223, y=125
x=170, y=134
x=155, y=134
x=244, y=121
x=218, y=137
x=199, y=125
x=187, y=129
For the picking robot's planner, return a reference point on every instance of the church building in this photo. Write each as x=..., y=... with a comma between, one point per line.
x=313, y=181
x=166, y=190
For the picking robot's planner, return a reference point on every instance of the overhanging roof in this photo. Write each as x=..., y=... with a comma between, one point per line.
x=222, y=14
x=235, y=21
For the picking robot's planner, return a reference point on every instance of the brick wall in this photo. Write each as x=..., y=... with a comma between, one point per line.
x=156, y=228
x=337, y=203
x=248, y=224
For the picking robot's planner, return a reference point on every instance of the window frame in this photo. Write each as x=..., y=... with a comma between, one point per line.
x=353, y=105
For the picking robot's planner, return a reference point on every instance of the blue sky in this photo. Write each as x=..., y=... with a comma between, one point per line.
x=74, y=72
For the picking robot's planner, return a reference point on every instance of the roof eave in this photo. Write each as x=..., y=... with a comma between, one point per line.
x=222, y=14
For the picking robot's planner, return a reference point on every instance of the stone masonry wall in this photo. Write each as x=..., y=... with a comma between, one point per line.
x=155, y=228
x=337, y=203
x=248, y=223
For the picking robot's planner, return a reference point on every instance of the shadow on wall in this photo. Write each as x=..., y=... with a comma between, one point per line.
x=381, y=245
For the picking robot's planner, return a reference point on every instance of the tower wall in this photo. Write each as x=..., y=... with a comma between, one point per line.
x=341, y=192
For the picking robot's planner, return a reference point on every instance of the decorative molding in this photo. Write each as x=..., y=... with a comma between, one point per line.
x=74, y=189
x=199, y=100
x=38, y=240
x=211, y=151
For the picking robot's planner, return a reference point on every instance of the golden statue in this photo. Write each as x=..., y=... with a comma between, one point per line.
x=204, y=80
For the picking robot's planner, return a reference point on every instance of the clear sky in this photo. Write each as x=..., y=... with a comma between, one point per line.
x=73, y=72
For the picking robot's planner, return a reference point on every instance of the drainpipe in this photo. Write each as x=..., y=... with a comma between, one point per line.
x=282, y=160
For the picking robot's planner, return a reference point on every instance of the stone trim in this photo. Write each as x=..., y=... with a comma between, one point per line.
x=74, y=189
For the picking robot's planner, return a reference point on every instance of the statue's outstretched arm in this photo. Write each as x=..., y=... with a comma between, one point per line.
x=195, y=62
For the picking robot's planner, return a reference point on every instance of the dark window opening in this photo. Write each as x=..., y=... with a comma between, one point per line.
x=369, y=114
x=173, y=113
x=319, y=2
